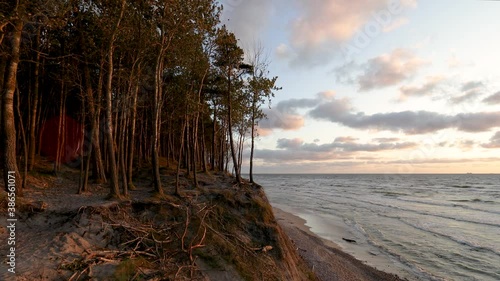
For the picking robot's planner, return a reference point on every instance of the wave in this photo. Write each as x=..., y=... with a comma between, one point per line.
x=468, y=186
x=472, y=246
x=495, y=224
x=475, y=200
x=443, y=204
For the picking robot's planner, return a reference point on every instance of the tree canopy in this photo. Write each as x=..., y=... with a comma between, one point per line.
x=109, y=86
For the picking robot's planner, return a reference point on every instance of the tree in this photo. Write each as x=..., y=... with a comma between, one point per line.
x=114, y=187
x=229, y=58
x=9, y=87
x=260, y=89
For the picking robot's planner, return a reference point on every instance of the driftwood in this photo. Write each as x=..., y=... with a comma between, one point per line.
x=349, y=240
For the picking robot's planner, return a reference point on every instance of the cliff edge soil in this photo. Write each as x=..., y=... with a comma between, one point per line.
x=219, y=231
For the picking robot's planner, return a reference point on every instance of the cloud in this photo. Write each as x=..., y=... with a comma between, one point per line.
x=345, y=139
x=280, y=120
x=493, y=99
x=340, y=148
x=345, y=144
x=471, y=91
x=323, y=26
x=292, y=105
x=468, y=96
x=389, y=69
x=432, y=82
x=396, y=24
x=285, y=114
x=472, y=85
x=283, y=51
x=466, y=145
x=385, y=139
x=409, y=122
x=247, y=18
x=443, y=161
x=290, y=143
x=494, y=141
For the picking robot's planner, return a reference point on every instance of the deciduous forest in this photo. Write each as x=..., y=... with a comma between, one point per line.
x=109, y=87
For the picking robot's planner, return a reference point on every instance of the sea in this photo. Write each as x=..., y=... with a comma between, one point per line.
x=431, y=227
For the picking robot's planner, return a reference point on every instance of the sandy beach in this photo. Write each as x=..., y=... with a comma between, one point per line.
x=326, y=258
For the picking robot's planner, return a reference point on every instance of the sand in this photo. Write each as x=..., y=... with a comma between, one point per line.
x=326, y=258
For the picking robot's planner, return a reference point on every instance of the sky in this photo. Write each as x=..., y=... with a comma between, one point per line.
x=399, y=86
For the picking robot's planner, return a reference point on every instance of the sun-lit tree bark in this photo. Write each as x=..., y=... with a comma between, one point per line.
x=8, y=124
x=114, y=181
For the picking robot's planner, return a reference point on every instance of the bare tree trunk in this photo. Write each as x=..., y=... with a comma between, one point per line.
x=23, y=138
x=122, y=153
x=181, y=146
x=114, y=185
x=252, y=146
x=59, y=128
x=214, y=143
x=193, y=156
x=203, y=150
x=230, y=129
x=8, y=127
x=99, y=173
x=114, y=188
x=82, y=182
x=32, y=129
x=155, y=123
x=132, y=134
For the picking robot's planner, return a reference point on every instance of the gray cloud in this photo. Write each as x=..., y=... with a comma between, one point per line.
x=292, y=105
x=285, y=114
x=286, y=155
x=426, y=89
x=477, y=122
x=344, y=144
x=494, y=141
x=409, y=122
x=385, y=139
x=345, y=139
x=493, y=99
x=471, y=91
x=341, y=148
x=443, y=161
x=468, y=96
x=289, y=143
x=472, y=85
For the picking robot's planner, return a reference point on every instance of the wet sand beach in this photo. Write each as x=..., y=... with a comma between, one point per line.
x=326, y=258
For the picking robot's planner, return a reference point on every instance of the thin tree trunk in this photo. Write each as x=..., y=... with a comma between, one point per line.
x=193, y=157
x=181, y=146
x=114, y=185
x=252, y=146
x=32, y=129
x=60, y=129
x=23, y=139
x=155, y=122
x=132, y=134
x=82, y=187
x=214, y=143
x=203, y=150
x=230, y=129
x=99, y=173
x=122, y=152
